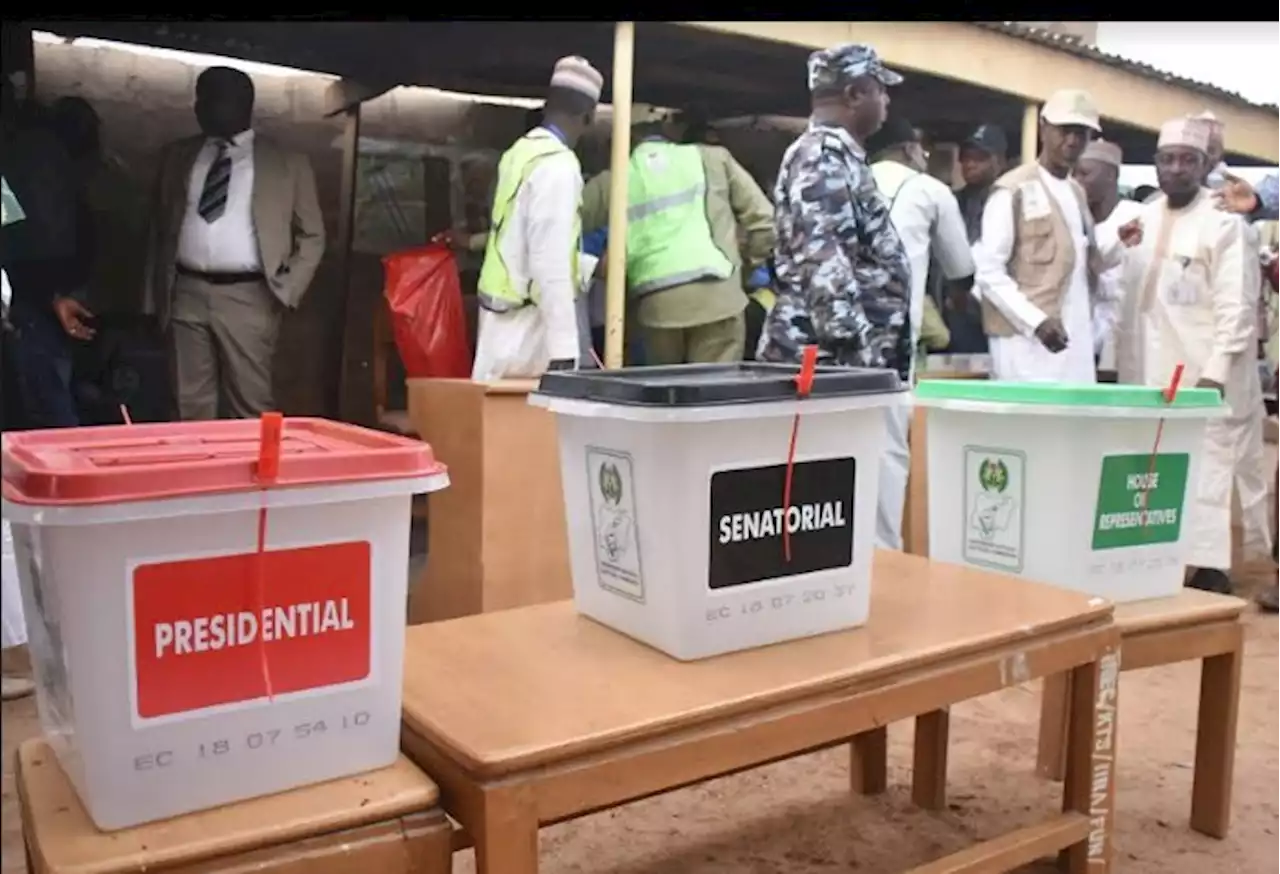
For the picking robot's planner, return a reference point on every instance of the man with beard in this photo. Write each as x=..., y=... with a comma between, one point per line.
x=844, y=283
x=1195, y=309
x=1038, y=258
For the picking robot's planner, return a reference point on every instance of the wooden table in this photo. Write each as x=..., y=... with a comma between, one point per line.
x=1190, y=625
x=385, y=822
x=536, y=715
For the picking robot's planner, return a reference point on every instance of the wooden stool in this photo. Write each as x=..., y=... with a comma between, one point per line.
x=1189, y=625
x=385, y=822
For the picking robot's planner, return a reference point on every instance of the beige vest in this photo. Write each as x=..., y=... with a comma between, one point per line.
x=1044, y=254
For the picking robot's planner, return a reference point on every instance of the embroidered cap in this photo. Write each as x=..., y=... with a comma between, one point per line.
x=577, y=74
x=1103, y=152
x=1189, y=132
x=1069, y=107
x=1214, y=129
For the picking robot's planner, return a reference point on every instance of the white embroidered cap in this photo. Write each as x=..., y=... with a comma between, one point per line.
x=1103, y=152
x=577, y=74
x=1189, y=132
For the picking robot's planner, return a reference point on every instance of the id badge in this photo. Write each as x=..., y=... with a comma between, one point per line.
x=1182, y=293
x=1035, y=200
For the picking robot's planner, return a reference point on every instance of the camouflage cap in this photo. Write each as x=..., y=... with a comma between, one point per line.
x=829, y=68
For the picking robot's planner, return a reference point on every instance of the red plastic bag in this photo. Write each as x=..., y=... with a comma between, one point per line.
x=425, y=297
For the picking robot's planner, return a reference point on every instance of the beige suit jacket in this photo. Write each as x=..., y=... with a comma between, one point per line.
x=286, y=216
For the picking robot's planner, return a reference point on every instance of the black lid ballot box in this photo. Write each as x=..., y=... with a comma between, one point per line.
x=693, y=526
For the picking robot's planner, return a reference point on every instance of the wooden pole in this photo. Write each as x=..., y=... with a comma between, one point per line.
x=1030, y=132
x=616, y=264
x=356, y=402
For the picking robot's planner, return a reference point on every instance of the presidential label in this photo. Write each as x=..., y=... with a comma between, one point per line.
x=748, y=518
x=201, y=637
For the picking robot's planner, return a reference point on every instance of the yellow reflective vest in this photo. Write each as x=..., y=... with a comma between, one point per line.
x=669, y=240
x=497, y=291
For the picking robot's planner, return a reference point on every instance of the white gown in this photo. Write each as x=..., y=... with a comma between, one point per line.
x=1196, y=307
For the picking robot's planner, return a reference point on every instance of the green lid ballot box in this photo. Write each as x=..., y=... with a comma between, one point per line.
x=1086, y=487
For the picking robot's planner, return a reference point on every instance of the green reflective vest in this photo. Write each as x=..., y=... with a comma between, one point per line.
x=496, y=289
x=669, y=240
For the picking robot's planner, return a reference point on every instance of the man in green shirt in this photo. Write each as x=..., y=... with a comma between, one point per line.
x=688, y=208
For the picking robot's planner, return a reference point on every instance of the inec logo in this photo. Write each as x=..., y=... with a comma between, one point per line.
x=993, y=475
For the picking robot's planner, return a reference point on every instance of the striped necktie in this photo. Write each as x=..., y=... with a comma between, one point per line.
x=213, y=197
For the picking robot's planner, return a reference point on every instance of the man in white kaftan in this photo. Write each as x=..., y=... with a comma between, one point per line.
x=1194, y=308
x=522, y=334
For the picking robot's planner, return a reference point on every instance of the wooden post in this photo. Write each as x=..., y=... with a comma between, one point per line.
x=355, y=386
x=1030, y=132
x=616, y=284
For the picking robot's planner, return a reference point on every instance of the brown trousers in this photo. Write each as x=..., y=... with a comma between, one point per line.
x=223, y=345
x=719, y=342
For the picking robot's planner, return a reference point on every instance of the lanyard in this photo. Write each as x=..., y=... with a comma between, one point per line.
x=557, y=133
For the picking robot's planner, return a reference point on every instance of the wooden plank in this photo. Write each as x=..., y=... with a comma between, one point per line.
x=1008, y=852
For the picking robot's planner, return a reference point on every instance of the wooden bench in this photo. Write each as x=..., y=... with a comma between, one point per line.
x=564, y=717
x=1190, y=625
x=385, y=822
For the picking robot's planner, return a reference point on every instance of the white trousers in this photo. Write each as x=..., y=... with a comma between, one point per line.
x=895, y=465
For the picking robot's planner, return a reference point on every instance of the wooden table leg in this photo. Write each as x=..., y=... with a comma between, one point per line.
x=929, y=768
x=1216, y=742
x=869, y=762
x=1089, y=782
x=506, y=833
x=1055, y=715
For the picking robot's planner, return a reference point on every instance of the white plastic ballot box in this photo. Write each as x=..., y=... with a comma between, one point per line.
x=202, y=636
x=1085, y=487
x=676, y=493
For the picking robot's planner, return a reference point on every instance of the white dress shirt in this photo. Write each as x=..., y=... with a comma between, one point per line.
x=228, y=244
x=927, y=217
x=537, y=246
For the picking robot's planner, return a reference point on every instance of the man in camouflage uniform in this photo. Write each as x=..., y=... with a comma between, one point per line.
x=844, y=282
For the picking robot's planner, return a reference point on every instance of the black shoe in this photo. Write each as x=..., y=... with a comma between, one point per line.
x=1269, y=600
x=1208, y=579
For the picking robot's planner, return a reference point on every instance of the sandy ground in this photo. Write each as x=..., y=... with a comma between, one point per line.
x=797, y=817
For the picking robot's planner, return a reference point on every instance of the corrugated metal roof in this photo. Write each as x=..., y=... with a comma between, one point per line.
x=1073, y=45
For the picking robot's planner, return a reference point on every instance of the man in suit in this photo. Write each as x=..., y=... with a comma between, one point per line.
x=235, y=240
